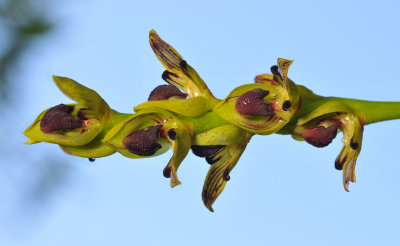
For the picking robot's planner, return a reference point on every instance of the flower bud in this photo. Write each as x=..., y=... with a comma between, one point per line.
x=74, y=124
x=335, y=115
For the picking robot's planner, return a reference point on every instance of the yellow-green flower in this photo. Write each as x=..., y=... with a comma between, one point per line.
x=265, y=106
x=73, y=124
x=321, y=125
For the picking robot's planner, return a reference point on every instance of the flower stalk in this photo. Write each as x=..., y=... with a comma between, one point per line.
x=184, y=115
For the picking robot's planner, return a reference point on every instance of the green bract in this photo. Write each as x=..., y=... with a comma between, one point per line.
x=218, y=130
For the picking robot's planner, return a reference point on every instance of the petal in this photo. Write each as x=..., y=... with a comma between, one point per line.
x=178, y=73
x=222, y=147
x=323, y=110
x=222, y=164
x=284, y=66
x=181, y=141
x=352, y=139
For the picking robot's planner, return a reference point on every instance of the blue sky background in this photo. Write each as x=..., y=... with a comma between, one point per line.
x=282, y=192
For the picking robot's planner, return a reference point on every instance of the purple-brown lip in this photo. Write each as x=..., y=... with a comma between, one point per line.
x=163, y=92
x=321, y=136
x=59, y=118
x=251, y=103
x=143, y=142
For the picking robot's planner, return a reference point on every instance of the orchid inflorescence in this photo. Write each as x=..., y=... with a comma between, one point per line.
x=215, y=129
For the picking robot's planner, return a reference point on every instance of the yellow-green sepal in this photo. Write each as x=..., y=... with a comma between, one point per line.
x=87, y=98
x=222, y=135
x=218, y=174
x=191, y=107
x=180, y=146
x=323, y=110
x=94, y=149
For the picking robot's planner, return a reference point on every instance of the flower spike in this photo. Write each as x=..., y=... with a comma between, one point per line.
x=217, y=130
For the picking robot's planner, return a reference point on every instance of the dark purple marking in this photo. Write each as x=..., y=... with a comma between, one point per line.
x=286, y=105
x=167, y=171
x=81, y=115
x=206, y=150
x=353, y=145
x=225, y=175
x=211, y=159
x=172, y=134
x=275, y=71
x=339, y=164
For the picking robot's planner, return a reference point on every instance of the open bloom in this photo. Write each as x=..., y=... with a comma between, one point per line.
x=320, y=127
x=263, y=107
x=185, y=115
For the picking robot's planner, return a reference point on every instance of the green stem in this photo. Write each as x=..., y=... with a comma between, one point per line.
x=368, y=111
x=371, y=111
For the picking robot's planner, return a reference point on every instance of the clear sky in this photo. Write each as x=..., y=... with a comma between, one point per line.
x=282, y=192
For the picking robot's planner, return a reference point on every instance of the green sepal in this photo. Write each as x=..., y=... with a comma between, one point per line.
x=222, y=135
x=324, y=109
x=191, y=107
x=94, y=149
x=85, y=97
